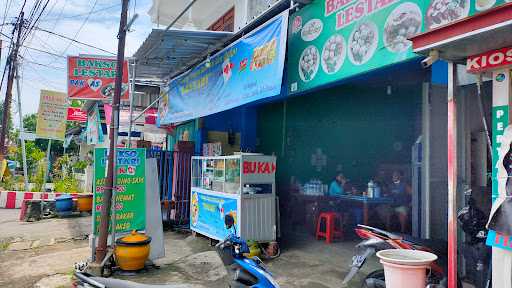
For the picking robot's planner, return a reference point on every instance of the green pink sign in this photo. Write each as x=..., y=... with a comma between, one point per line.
x=331, y=40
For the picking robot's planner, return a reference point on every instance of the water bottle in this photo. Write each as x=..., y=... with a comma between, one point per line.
x=371, y=189
x=376, y=191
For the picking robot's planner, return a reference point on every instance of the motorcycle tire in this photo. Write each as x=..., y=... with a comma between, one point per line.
x=235, y=284
x=374, y=280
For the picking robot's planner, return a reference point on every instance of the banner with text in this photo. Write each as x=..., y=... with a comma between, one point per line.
x=207, y=214
x=51, y=116
x=94, y=78
x=130, y=188
x=248, y=70
x=330, y=40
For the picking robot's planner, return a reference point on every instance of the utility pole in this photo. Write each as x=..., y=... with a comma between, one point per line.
x=12, y=60
x=22, y=129
x=101, y=249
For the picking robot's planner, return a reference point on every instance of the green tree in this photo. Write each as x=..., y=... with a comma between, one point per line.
x=30, y=124
x=34, y=155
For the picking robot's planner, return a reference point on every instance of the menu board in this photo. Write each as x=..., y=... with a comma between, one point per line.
x=332, y=40
x=130, y=188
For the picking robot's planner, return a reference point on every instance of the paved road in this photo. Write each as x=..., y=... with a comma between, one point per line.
x=42, y=254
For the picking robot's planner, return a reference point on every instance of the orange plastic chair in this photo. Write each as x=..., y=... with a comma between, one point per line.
x=333, y=223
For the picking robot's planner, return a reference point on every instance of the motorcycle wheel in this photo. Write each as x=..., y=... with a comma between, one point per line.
x=374, y=280
x=235, y=284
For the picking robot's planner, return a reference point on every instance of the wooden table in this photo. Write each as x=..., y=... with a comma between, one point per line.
x=366, y=202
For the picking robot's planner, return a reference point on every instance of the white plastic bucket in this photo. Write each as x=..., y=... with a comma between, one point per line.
x=405, y=268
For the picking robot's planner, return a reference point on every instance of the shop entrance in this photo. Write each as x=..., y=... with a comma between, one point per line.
x=362, y=141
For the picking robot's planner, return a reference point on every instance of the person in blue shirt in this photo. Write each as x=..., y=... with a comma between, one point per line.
x=337, y=185
x=341, y=186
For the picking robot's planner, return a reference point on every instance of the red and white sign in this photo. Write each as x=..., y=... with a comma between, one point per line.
x=257, y=167
x=489, y=60
x=93, y=78
x=76, y=114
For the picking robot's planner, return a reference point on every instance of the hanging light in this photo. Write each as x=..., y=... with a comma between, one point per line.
x=208, y=62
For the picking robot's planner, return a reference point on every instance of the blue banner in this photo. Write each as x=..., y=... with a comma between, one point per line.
x=207, y=214
x=248, y=70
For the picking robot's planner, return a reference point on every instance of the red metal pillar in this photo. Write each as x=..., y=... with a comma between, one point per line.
x=452, y=176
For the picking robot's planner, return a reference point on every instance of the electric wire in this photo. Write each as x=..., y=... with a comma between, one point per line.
x=81, y=27
x=80, y=15
x=59, y=15
x=6, y=12
x=74, y=40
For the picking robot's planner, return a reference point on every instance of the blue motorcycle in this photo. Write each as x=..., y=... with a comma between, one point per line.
x=242, y=271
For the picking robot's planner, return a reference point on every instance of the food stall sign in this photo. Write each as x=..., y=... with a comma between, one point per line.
x=257, y=167
x=332, y=40
x=248, y=70
x=490, y=60
x=93, y=77
x=76, y=114
x=130, y=188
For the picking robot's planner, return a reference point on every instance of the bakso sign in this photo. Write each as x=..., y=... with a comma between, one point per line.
x=489, y=60
x=335, y=39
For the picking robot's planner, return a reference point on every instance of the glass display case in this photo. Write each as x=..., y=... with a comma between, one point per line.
x=241, y=185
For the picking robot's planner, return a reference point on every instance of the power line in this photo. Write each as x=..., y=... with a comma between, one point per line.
x=81, y=27
x=60, y=15
x=43, y=51
x=74, y=40
x=6, y=11
x=32, y=24
x=44, y=65
x=80, y=15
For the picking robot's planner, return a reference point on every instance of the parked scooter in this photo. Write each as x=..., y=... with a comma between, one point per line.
x=242, y=271
x=375, y=240
x=475, y=251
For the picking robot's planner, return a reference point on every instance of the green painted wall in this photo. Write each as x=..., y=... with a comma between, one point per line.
x=355, y=127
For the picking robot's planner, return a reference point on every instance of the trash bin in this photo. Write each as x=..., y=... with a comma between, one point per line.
x=405, y=268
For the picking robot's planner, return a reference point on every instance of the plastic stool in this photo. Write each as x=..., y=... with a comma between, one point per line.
x=333, y=226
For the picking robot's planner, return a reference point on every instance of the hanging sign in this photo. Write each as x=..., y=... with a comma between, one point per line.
x=130, y=188
x=248, y=70
x=93, y=78
x=489, y=60
x=51, y=115
x=76, y=114
x=332, y=40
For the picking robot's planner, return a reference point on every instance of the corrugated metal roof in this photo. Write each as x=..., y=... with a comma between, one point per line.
x=165, y=52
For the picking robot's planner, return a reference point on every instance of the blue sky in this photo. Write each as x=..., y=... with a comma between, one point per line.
x=66, y=17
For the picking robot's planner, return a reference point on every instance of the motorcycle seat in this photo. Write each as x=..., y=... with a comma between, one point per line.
x=439, y=246
x=117, y=283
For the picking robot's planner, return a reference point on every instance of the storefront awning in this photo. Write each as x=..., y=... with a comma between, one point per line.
x=470, y=36
x=164, y=53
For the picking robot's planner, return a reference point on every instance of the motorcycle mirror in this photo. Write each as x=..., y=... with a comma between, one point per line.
x=229, y=221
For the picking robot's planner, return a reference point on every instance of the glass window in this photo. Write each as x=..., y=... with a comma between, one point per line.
x=232, y=176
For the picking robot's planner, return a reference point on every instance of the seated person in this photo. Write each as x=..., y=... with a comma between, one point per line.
x=337, y=187
x=341, y=186
x=400, y=192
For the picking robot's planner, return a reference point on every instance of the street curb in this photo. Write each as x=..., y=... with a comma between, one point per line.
x=14, y=199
